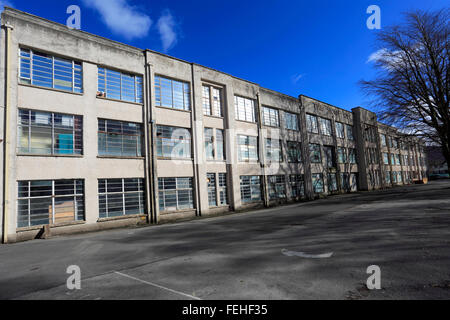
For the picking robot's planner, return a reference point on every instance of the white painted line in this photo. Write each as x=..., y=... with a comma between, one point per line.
x=305, y=255
x=158, y=286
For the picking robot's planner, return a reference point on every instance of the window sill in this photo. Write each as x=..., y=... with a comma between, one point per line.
x=212, y=116
x=177, y=159
x=50, y=89
x=50, y=155
x=173, y=109
x=56, y=225
x=244, y=121
x=122, y=101
x=272, y=127
x=120, y=157
x=163, y=213
x=124, y=217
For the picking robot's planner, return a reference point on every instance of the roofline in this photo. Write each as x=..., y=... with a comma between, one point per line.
x=305, y=96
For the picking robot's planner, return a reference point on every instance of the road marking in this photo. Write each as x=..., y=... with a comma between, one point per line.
x=305, y=255
x=157, y=286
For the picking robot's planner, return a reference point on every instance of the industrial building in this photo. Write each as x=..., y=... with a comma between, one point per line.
x=98, y=134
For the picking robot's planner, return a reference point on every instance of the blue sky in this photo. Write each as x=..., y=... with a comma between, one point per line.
x=317, y=48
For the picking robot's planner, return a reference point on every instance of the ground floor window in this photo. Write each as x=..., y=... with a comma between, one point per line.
x=394, y=177
x=349, y=182
x=317, y=181
x=250, y=189
x=277, y=187
x=119, y=197
x=212, y=197
x=297, y=185
x=175, y=194
x=388, y=177
x=223, y=191
x=332, y=183
x=50, y=202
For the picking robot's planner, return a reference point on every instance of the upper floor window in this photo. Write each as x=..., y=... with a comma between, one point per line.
x=315, y=153
x=311, y=124
x=172, y=94
x=294, y=153
x=209, y=143
x=120, y=86
x=247, y=148
x=291, y=121
x=245, y=109
x=383, y=140
x=340, y=131
x=44, y=70
x=212, y=101
x=173, y=142
x=270, y=117
x=325, y=127
x=350, y=135
x=118, y=138
x=273, y=150
x=49, y=133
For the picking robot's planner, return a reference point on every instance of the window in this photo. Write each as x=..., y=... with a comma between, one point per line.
x=291, y=121
x=330, y=157
x=385, y=158
x=349, y=182
x=317, y=180
x=389, y=142
x=44, y=70
x=294, y=152
x=350, y=135
x=273, y=150
x=311, y=124
x=120, y=86
x=314, y=153
x=117, y=138
x=400, y=177
x=49, y=133
x=120, y=197
x=370, y=134
x=247, y=148
x=175, y=194
x=245, y=109
x=270, y=117
x=250, y=189
x=277, y=187
x=220, y=144
x=388, y=177
x=212, y=197
x=394, y=177
x=352, y=155
x=342, y=155
x=172, y=94
x=209, y=143
x=394, y=143
x=50, y=202
x=340, y=131
x=392, y=159
x=297, y=186
x=173, y=142
x=397, y=160
x=212, y=107
x=223, y=191
x=325, y=127
x=383, y=140
x=332, y=182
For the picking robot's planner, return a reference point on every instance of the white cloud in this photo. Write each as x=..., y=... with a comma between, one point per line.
x=377, y=55
x=121, y=17
x=166, y=28
x=296, y=77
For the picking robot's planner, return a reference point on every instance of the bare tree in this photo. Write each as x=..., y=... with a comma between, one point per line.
x=412, y=85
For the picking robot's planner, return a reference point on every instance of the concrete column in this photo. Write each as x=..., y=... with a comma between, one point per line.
x=309, y=192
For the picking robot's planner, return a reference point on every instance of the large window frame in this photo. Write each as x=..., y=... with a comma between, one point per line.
x=294, y=152
x=274, y=150
x=251, y=189
x=212, y=100
x=244, y=109
x=312, y=124
x=62, y=133
x=121, y=197
x=291, y=121
x=49, y=71
x=46, y=202
x=114, y=135
x=247, y=148
x=315, y=153
x=172, y=94
x=118, y=85
x=270, y=117
x=177, y=140
x=325, y=127
x=180, y=192
x=276, y=187
x=297, y=182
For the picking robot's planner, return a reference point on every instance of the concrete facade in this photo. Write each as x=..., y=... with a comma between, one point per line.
x=21, y=30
